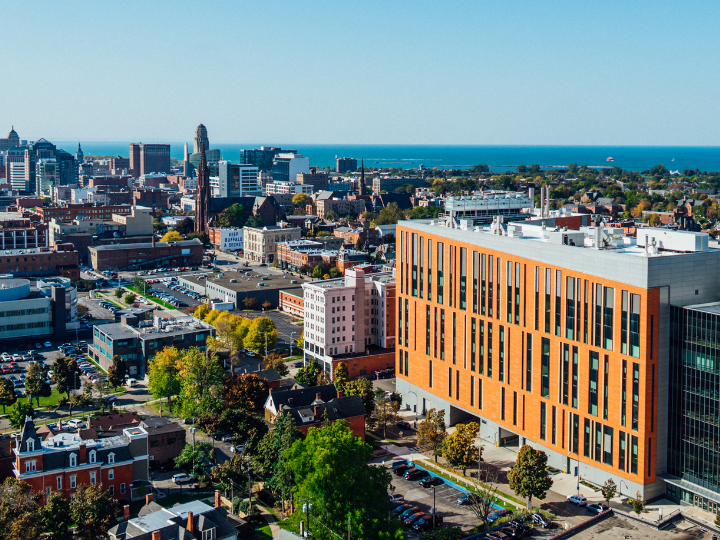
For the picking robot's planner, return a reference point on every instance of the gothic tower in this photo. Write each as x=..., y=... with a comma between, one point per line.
x=202, y=198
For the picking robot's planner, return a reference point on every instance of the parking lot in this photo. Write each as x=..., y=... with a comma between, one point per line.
x=164, y=292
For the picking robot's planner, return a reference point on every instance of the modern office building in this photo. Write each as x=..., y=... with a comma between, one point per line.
x=262, y=157
x=235, y=180
x=46, y=175
x=348, y=314
x=316, y=178
x=390, y=183
x=558, y=339
x=287, y=165
x=287, y=188
x=346, y=164
x=149, y=158
x=482, y=209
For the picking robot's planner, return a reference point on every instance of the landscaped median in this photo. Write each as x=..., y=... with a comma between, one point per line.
x=150, y=297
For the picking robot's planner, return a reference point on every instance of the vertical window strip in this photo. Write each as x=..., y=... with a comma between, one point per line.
x=489, y=349
x=570, y=308
x=463, y=278
x=635, y=395
x=608, y=322
x=606, y=387
x=517, y=294
x=575, y=377
x=483, y=284
x=548, y=287
x=545, y=368
x=481, y=348
x=593, y=383
x=509, y=289
x=501, y=357
x=491, y=298
x=542, y=419
x=623, y=322
x=537, y=298
x=635, y=325
x=528, y=364
x=429, y=270
x=440, y=271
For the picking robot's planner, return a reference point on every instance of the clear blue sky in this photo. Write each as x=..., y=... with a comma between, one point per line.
x=388, y=72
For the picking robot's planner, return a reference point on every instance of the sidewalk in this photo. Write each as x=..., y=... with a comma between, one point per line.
x=270, y=519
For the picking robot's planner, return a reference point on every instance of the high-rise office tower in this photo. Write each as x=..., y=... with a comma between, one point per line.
x=79, y=155
x=202, y=197
x=201, y=139
x=149, y=158
x=346, y=164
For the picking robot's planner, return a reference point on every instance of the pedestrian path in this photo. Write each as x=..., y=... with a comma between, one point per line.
x=269, y=519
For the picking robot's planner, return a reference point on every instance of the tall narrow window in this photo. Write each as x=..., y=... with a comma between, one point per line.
x=440, y=270
x=483, y=284
x=514, y=408
x=635, y=395
x=430, y=374
x=501, y=356
x=528, y=364
x=548, y=289
x=442, y=334
x=593, y=383
x=622, y=452
x=598, y=441
x=491, y=298
x=475, y=270
x=624, y=394
x=586, y=439
x=407, y=367
x=586, y=315
x=449, y=382
x=635, y=325
x=401, y=362
x=454, y=337
x=606, y=387
x=609, y=302
x=472, y=390
x=480, y=392
x=634, y=455
x=575, y=433
x=429, y=270
x=558, y=302
x=517, y=294
x=575, y=373
x=608, y=445
x=502, y=403
x=542, y=420
x=400, y=322
x=457, y=384
x=554, y=412
x=545, y=369
x=497, y=282
x=463, y=278
x=481, y=348
x=598, y=315
x=510, y=296
x=566, y=374
x=451, y=274
x=414, y=255
x=473, y=337
x=624, y=322
x=489, y=349
x=407, y=322
x=570, y=308
x=427, y=330
x=421, y=265
x=537, y=298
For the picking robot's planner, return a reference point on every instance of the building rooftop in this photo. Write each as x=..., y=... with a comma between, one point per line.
x=193, y=242
x=339, y=283
x=712, y=307
x=240, y=282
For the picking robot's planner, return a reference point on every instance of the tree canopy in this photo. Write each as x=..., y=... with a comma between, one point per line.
x=529, y=477
x=389, y=215
x=233, y=216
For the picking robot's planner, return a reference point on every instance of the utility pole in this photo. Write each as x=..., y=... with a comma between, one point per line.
x=349, y=530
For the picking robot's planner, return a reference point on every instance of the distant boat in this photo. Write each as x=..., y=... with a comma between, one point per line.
x=610, y=159
x=673, y=159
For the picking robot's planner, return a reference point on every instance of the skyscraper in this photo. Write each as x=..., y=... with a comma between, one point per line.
x=12, y=140
x=148, y=158
x=202, y=197
x=201, y=139
x=79, y=155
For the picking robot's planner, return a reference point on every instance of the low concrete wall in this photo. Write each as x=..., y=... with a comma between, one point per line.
x=582, y=526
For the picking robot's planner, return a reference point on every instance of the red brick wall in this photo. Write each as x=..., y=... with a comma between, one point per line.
x=365, y=365
x=291, y=304
x=122, y=475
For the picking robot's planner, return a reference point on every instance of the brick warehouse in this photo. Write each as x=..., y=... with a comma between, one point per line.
x=556, y=338
x=146, y=255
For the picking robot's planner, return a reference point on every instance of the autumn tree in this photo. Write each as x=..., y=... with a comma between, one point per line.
x=308, y=374
x=19, y=511
x=172, y=236
x=117, y=371
x=432, y=431
x=276, y=362
x=302, y=200
x=7, y=393
x=638, y=503
x=163, y=374
x=262, y=334
x=246, y=391
x=529, y=477
x=608, y=490
x=459, y=448
x=250, y=303
x=341, y=376
x=384, y=413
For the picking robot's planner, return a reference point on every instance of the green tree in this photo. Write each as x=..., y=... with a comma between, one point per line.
x=317, y=272
x=638, y=503
x=55, y=517
x=35, y=383
x=529, y=477
x=139, y=284
x=7, y=393
x=185, y=226
x=196, y=461
x=67, y=374
x=272, y=457
x=93, y=511
x=389, y=215
x=130, y=298
x=385, y=412
x=331, y=467
x=262, y=333
x=425, y=212
x=335, y=272
x=201, y=382
x=20, y=411
x=118, y=293
x=255, y=221
x=163, y=374
x=276, y=362
x=364, y=389
x=459, y=448
x=432, y=431
x=608, y=490
x=117, y=371
x=308, y=374
x=341, y=376
x=233, y=216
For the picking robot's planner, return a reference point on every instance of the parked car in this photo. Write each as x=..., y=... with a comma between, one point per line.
x=396, y=497
x=425, y=523
x=430, y=481
x=401, y=508
x=182, y=478
x=409, y=512
x=415, y=517
x=48, y=344
x=404, y=425
x=398, y=463
x=498, y=514
x=512, y=533
x=578, y=499
x=229, y=438
x=400, y=469
x=76, y=423
x=466, y=498
x=596, y=508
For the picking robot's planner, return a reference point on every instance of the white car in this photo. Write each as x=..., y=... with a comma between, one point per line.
x=132, y=382
x=48, y=344
x=182, y=478
x=6, y=357
x=580, y=500
x=76, y=424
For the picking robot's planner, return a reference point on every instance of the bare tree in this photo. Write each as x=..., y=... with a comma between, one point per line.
x=486, y=486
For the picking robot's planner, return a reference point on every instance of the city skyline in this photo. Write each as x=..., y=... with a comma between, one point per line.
x=470, y=73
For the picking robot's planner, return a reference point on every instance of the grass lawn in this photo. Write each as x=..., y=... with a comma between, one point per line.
x=155, y=406
x=113, y=300
x=150, y=297
x=289, y=358
x=262, y=533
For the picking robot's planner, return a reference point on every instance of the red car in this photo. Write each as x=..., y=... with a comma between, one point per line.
x=412, y=519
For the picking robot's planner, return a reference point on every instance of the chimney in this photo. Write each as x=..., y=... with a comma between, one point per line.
x=316, y=411
x=126, y=512
x=153, y=241
x=259, y=367
x=148, y=498
x=340, y=393
x=217, y=498
x=156, y=535
x=190, y=524
x=317, y=396
x=294, y=387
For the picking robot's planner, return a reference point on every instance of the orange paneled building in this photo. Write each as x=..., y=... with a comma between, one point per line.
x=548, y=337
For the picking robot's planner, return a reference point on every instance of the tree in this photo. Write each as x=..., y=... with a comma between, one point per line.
x=276, y=362
x=246, y=391
x=118, y=293
x=201, y=382
x=389, y=215
x=481, y=502
x=341, y=376
x=19, y=511
x=307, y=375
x=272, y=458
x=638, y=503
x=266, y=305
x=608, y=490
x=185, y=226
x=196, y=458
x=364, y=389
x=130, y=298
x=335, y=272
x=302, y=200
x=529, y=477
x=385, y=412
x=331, y=467
x=654, y=220
x=139, y=283
x=117, y=371
x=202, y=311
x=300, y=342
x=55, y=517
x=93, y=511
x=35, y=384
x=459, y=448
x=317, y=272
x=262, y=334
x=255, y=221
x=164, y=381
x=425, y=212
x=7, y=393
x=66, y=374
x=233, y=216
x=432, y=431
x=172, y=236
x=19, y=412
x=250, y=303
